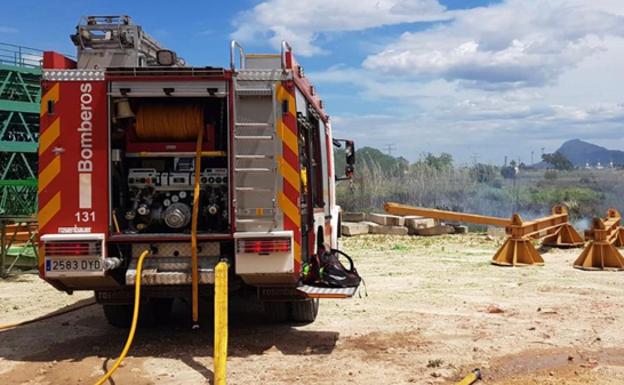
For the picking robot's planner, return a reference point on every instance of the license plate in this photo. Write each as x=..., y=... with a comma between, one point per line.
x=74, y=266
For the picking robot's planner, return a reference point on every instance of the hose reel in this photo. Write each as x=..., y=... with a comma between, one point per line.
x=177, y=122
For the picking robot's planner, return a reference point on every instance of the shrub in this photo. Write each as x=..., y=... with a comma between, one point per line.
x=550, y=174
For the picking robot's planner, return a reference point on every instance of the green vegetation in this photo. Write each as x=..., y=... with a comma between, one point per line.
x=434, y=181
x=558, y=161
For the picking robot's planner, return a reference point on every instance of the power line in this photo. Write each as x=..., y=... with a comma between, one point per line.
x=389, y=148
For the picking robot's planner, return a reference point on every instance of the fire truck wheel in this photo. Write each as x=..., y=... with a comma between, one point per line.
x=305, y=311
x=161, y=309
x=156, y=311
x=276, y=311
x=118, y=315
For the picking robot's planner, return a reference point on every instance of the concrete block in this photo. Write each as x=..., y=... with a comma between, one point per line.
x=436, y=230
x=412, y=231
x=385, y=219
x=353, y=217
x=420, y=222
x=353, y=228
x=389, y=230
x=370, y=226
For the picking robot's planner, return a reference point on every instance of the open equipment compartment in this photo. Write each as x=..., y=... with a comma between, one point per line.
x=153, y=141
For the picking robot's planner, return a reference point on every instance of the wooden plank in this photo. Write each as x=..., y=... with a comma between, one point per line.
x=399, y=209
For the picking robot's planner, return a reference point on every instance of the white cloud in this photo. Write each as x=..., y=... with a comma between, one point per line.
x=507, y=79
x=440, y=116
x=302, y=22
x=517, y=43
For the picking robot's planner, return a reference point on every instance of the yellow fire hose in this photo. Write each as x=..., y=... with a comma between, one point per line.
x=47, y=316
x=194, y=258
x=135, y=319
x=221, y=291
x=470, y=379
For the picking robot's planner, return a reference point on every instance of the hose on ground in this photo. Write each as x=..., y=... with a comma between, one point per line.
x=47, y=316
x=471, y=378
x=135, y=319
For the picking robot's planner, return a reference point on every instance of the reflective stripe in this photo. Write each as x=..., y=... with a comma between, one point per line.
x=51, y=94
x=49, y=135
x=290, y=210
x=49, y=173
x=49, y=210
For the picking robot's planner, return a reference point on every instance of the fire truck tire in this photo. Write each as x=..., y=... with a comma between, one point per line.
x=118, y=315
x=157, y=310
x=276, y=311
x=161, y=309
x=304, y=311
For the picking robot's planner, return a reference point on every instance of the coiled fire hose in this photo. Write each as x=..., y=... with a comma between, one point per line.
x=135, y=319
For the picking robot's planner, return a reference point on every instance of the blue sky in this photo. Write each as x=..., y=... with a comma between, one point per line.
x=478, y=79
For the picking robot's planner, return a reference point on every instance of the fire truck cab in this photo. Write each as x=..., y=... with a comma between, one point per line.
x=117, y=165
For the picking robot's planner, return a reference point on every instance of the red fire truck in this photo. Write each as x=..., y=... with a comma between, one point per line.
x=119, y=158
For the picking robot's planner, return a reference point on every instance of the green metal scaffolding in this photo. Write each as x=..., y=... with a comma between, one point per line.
x=20, y=95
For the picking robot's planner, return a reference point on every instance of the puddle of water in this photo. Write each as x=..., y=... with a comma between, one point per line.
x=530, y=363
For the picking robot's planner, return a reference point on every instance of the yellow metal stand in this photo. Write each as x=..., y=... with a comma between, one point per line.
x=564, y=236
x=601, y=252
x=220, y=323
x=518, y=249
x=517, y=252
x=619, y=242
x=600, y=255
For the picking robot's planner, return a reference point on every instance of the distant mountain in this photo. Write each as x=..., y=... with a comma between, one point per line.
x=580, y=153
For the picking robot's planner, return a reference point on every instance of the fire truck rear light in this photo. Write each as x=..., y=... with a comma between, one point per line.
x=72, y=249
x=263, y=246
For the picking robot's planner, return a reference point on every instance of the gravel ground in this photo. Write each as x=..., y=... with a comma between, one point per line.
x=435, y=310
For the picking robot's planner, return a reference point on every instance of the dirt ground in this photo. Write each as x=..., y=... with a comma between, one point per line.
x=435, y=310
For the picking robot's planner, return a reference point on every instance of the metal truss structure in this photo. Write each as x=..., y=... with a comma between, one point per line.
x=20, y=94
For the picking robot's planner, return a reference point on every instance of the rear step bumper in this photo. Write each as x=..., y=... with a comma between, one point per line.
x=303, y=292
x=327, y=292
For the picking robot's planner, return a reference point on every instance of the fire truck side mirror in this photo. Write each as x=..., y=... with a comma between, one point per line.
x=349, y=147
x=350, y=152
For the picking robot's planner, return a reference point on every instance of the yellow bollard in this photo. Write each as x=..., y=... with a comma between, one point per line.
x=220, y=322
